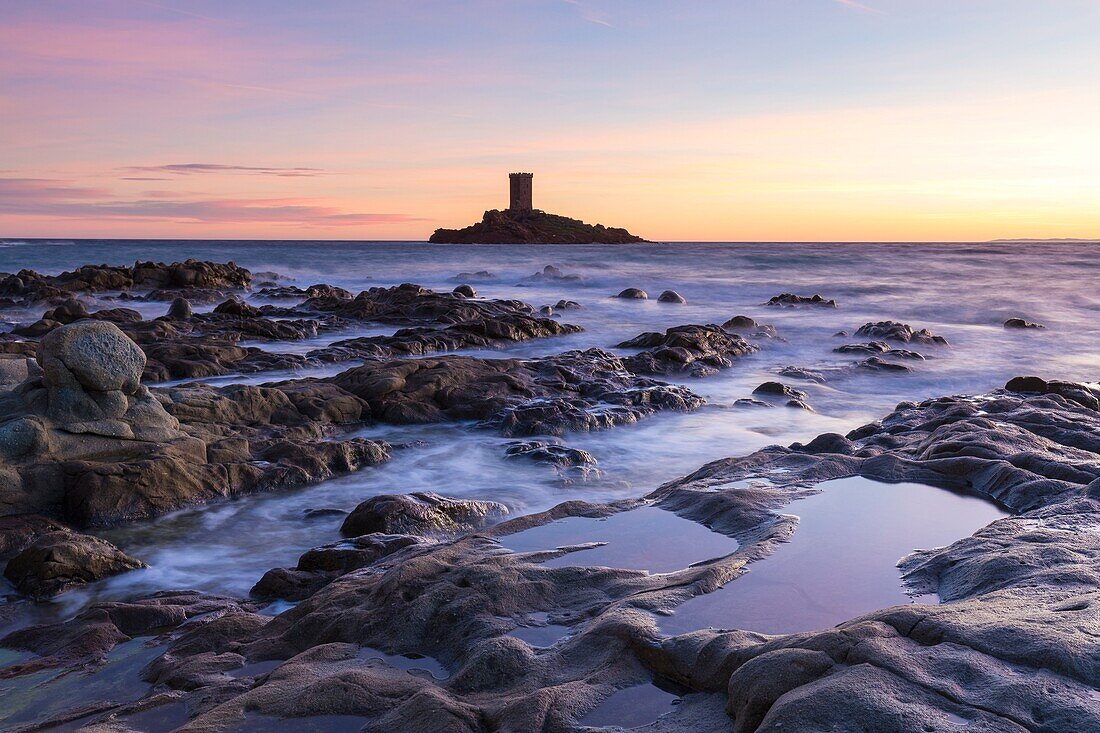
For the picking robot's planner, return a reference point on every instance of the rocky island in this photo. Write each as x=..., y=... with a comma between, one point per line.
x=520, y=223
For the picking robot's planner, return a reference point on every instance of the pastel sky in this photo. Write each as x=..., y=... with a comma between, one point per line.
x=679, y=119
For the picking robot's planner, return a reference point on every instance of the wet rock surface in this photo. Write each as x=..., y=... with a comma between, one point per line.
x=466, y=291
x=571, y=464
x=790, y=300
x=483, y=333
x=903, y=332
x=747, y=326
x=478, y=277
x=575, y=390
x=551, y=273
x=28, y=287
x=322, y=565
x=1020, y=323
x=697, y=350
x=778, y=389
x=419, y=514
x=87, y=443
x=875, y=348
x=60, y=560
x=1010, y=647
x=207, y=344
x=319, y=290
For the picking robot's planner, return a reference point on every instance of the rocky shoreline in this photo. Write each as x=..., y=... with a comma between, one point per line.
x=1013, y=644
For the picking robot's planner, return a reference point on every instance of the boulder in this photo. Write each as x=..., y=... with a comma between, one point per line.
x=894, y=331
x=92, y=375
x=571, y=464
x=878, y=347
x=746, y=325
x=67, y=312
x=62, y=559
x=671, y=296
x=420, y=513
x=696, y=349
x=180, y=309
x=1081, y=394
x=739, y=323
x=778, y=389
x=466, y=291
x=1020, y=323
x=321, y=565
x=633, y=294
x=237, y=307
x=790, y=300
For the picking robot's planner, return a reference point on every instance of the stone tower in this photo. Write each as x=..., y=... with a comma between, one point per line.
x=520, y=190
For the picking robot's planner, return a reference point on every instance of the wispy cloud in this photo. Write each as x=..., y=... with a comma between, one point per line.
x=591, y=14
x=193, y=168
x=14, y=191
x=65, y=200
x=858, y=6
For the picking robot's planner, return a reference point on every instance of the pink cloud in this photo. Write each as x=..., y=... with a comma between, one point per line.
x=193, y=168
x=14, y=191
x=63, y=200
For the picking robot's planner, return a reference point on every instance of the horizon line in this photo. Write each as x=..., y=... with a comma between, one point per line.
x=999, y=240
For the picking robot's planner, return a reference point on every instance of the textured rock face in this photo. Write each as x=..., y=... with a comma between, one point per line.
x=697, y=350
x=92, y=373
x=532, y=227
x=894, y=331
x=878, y=347
x=1013, y=647
x=29, y=287
x=410, y=304
x=86, y=442
x=15, y=369
x=20, y=531
x=61, y=559
x=790, y=300
x=319, y=290
x=420, y=513
x=205, y=344
x=322, y=565
x=575, y=390
x=633, y=294
x=1078, y=393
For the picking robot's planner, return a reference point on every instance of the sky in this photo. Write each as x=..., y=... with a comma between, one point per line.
x=682, y=120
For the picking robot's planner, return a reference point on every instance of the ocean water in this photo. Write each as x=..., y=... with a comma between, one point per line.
x=961, y=291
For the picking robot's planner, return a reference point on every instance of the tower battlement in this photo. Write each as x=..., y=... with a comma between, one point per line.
x=519, y=185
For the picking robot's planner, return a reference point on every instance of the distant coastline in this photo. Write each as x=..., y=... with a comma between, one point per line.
x=1057, y=240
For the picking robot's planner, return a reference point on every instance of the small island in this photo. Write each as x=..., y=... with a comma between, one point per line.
x=521, y=223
